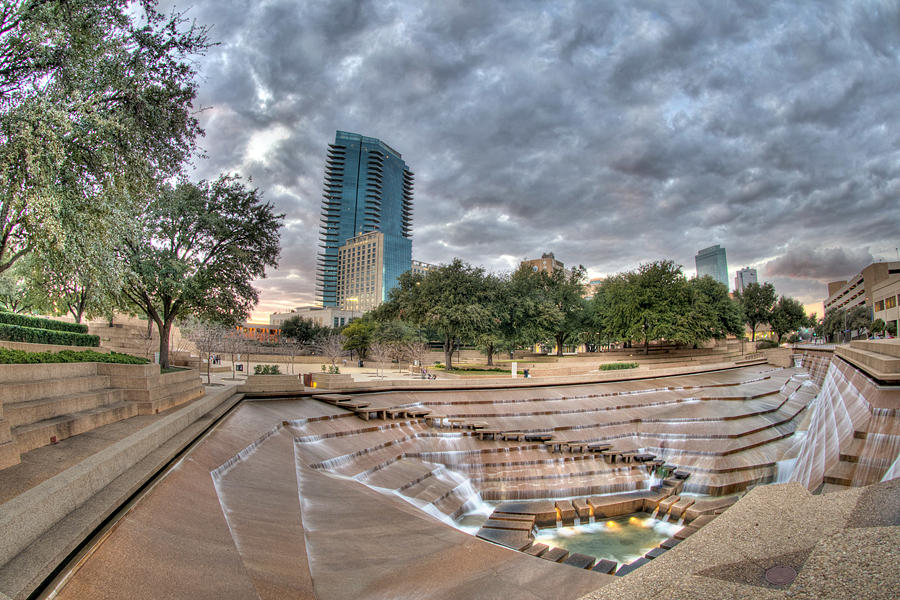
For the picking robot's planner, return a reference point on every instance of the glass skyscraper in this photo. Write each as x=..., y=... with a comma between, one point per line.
x=711, y=261
x=368, y=188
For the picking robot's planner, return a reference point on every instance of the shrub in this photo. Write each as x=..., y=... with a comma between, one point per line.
x=618, y=366
x=266, y=370
x=20, y=357
x=765, y=345
x=39, y=323
x=32, y=335
x=334, y=370
x=793, y=339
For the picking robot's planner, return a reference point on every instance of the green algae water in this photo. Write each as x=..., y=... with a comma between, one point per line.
x=621, y=539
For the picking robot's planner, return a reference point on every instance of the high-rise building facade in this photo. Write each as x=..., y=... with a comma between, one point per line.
x=711, y=261
x=422, y=268
x=368, y=188
x=743, y=278
x=361, y=272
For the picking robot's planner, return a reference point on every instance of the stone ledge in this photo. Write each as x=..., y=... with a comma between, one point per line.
x=29, y=515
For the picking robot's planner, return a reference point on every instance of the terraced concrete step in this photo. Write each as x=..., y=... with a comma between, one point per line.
x=12, y=392
x=32, y=411
x=35, y=435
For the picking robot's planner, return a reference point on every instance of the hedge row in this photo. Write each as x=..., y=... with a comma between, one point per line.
x=32, y=335
x=39, y=323
x=618, y=366
x=21, y=357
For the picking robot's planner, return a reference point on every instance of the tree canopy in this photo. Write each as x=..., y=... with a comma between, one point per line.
x=452, y=299
x=757, y=302
x=96, y=107
x=787, y=315
x=196, y=250
x=304, y=331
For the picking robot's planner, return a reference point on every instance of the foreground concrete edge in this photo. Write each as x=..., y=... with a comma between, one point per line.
x=26, y=517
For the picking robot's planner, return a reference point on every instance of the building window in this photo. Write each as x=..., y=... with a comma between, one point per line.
x=890, y=302
x=879, y=305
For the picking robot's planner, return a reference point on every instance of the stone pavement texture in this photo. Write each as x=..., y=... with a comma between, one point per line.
x=842, y=545
x=223, y=525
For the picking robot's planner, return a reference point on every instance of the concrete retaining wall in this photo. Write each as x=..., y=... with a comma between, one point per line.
x=27, y=516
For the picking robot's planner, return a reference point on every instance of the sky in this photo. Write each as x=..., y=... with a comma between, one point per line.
x=609, y=133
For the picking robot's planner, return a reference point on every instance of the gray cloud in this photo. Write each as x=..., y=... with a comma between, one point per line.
x=609, y=133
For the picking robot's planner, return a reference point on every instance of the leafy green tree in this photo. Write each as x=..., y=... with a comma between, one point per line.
x=714, y=314
x=878, y=326
x=562, y=290
x=652, y=303
x=196, y=251
x=757, y=302
x=358, y=335
x=451, y=299
x=95, y=109
x=305, y=331
x=788, y=315
x=15, y=295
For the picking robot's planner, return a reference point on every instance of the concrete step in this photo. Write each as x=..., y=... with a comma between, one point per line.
x=35, y=435
x=183, y=392
x=25, y=391
x=32, y=411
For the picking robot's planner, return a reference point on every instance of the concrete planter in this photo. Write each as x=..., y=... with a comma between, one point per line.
x=331, y=381
x=272, y=383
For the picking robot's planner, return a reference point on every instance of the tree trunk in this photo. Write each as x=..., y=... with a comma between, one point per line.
x=209, y=368
x=164, y=331
x=448, y=352
x=647, y=346
x=753, y=331
x=490, y=353
x=559, y=344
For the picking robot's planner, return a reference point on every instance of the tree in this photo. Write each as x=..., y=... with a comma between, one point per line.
x=451, y=299
x=358, y=335
x=714, y=314
x=331, y=347
x=561, y=293
x=305, y=331
x=195, y=252
x=82, y=279
x=233, y=345
x=652, y=303
x=15, y=296
x=788, y=315
x=207, y=337
x=381, y=353
x=757, y=302
x=95, y=109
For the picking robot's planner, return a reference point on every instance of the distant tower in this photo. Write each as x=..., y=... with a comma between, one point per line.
x=547, y=263
x=743, y=278
x=711, y=261
x=368, y=187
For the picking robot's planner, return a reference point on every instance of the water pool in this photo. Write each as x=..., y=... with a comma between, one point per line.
x=621, y=539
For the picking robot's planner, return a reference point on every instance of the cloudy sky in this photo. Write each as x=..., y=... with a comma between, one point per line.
x=610, y=133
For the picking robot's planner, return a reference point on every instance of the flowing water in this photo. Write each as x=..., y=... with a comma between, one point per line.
x=621, y=539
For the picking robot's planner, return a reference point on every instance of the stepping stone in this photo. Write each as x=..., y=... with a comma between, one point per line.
x=582, y=508
x=626, y=569
x=702, y=520
x=537, y=549
x=685, y=533
x=555, y=554
x=605, y=566
x=506, y=524
x=331, y=398
x=578, y=560
x=669, y=543
x=517, y=540
x=656, y=552
x=681, y=474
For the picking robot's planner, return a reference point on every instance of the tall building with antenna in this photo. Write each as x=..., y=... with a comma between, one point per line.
x=368, y=188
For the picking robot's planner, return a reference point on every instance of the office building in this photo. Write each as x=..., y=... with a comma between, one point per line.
x=711, y=261
x=743, y=278
x=368, y=188
x=547, y=263
x=323, y=316
x=886, y=304
x=422, y=268
x=859, y=289
x=361, y=267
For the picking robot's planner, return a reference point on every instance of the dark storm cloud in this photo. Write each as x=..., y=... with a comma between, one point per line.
x=609, y=133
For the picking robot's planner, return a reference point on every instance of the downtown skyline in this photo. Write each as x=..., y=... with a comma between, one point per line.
x=608, y=134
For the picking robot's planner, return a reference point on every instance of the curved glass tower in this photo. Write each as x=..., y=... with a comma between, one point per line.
x=368, y=187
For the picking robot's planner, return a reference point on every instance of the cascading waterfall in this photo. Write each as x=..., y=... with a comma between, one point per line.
x=880, y=449
x=831, y=426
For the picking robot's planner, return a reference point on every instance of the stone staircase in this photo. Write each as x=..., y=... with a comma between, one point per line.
x=46, y=403
x=131, y=337
x=42, y=404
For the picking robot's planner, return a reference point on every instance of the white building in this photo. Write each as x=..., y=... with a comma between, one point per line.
x=327, y=316
x=743, y=278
